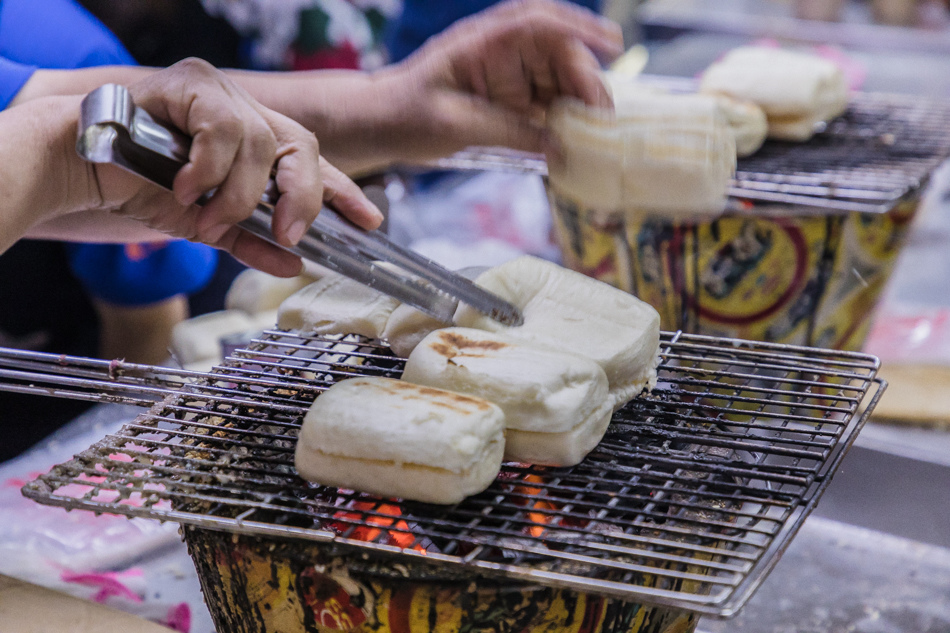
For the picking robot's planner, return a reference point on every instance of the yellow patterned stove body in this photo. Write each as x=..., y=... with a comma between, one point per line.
x=274, y=586
x=772, y=274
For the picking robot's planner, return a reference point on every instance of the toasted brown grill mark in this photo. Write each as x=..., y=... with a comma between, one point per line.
x=452, y=345
x=437, y=397
x=462, y=342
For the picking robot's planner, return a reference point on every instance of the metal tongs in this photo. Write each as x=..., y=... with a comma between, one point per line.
x=113, y=130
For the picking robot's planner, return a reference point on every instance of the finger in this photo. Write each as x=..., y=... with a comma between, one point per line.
x=257, y=253
x=214, y=146
x=193, y=97
x=578, y=76
x=300, y=183
x=508, y=82
x=240, y=191
x=602, y=36
x=345, y=196
x=533, y=57
x=539, y=70
x=299, y=179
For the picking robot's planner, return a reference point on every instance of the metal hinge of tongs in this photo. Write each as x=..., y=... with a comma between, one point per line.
x=113, y=130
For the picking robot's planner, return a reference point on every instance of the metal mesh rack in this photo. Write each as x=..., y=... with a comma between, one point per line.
x=881, y=149
x=687, y=502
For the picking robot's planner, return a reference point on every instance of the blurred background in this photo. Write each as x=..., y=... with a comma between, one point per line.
x=876, y=556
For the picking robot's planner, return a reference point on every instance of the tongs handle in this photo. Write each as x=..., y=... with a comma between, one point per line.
x=113, y=130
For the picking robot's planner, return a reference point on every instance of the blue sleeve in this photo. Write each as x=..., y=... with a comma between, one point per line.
x=12, y=78
x=61, y=34
x=57, y=34
x=421, y=19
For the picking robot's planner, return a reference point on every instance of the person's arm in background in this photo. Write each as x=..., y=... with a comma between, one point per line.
x=484, y=81
x=46, y=189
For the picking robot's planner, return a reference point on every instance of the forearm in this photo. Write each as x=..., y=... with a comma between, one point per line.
x=50, y=83
x=95, y=226
x=42, y=178
x=358, y=117
x=355, y=115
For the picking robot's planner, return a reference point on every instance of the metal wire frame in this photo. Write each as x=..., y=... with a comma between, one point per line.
x=883, y=148
x=90, y=379
x=688, y=501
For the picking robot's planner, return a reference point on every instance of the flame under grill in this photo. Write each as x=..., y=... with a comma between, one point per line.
x=881, y=149
x=687, y=502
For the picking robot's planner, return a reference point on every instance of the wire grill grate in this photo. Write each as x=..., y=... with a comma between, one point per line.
x=687, y=501
x=883, y=148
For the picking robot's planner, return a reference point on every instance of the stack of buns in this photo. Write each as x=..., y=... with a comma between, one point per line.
x=569, y=311
x=396, y=439
x=337, y=305
x=555, y=404
x=251, y=305
x=668, y=154
x=796, y=90
x=584, y=350
x=746, y=121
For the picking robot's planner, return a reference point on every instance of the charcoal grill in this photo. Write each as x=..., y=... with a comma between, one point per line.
x=808, y=239
x=882, y=149
x=687, y=502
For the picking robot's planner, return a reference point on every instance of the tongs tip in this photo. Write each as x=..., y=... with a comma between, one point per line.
x=510, y=316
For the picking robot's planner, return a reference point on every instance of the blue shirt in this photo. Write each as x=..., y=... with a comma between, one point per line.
x=61, y=34
x=51, y=34
x=421, y=19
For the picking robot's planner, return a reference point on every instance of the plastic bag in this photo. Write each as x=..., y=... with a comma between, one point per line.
x=78, y=552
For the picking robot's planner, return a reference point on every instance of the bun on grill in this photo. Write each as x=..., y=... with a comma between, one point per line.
x=796, y=90
x=196, y=342
x=407, y=326
x=254, y=291
x=667, y=154
x=556, y=405
x=748, y=123
x=336, y=305
x=397, y=439
x=570, y=312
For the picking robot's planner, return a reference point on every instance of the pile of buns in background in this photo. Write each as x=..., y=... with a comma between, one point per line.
x=250, y=306
x=797, y=91
x=476, y=393
x=674, y=154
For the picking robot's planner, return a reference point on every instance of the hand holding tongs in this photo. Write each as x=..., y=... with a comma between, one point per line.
x=113, y=130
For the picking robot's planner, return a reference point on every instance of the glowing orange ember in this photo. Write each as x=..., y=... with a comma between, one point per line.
x=542, y=519
x=398, y=533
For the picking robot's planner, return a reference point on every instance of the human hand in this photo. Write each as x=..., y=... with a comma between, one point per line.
x=236, y=143
x=488, y=79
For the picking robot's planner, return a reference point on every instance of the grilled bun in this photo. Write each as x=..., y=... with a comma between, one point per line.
x=662, y=154
x=796, y=90
x=336, y=305
x=407, y=326
x=570, y=312
x=397, y=439
x=556, y=405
